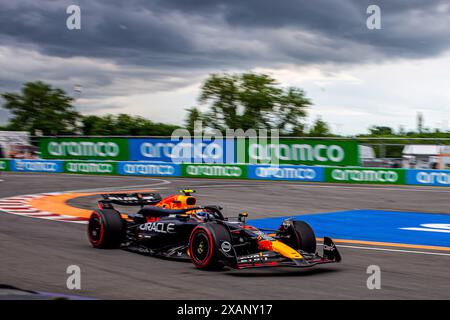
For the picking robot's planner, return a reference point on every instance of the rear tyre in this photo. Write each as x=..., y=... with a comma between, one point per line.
x=203, y=245
x=301, y=237
x=106, y=229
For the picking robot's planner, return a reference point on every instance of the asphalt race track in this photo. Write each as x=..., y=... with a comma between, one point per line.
x=35, y=252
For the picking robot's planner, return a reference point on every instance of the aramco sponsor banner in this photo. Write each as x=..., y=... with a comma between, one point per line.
x=144, y=168
x=51, y=166
x=183, y=150
x=84, y=148
x=4, y=165
x=428, y=177
x=286, y=172
x=260, y=172
x=365, y=175
x=214, y=171
x=297, y=151
x=90, y=167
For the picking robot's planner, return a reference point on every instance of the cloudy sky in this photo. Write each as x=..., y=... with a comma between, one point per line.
x=149, y=57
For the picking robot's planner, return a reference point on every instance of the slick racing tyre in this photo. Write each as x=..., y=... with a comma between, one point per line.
x=203, y=245
x=106, y=229
x=301, y=237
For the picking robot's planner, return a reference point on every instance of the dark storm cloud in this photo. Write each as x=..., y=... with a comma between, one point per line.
x=142, y=46
x=206, y=33
x=410, y=27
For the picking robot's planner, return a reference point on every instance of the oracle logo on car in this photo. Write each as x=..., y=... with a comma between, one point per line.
x=159, y=227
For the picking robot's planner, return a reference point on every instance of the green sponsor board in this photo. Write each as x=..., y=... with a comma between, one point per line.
x=365, y=175
x=214, y=171
x=4, y=165
x=298, y=151
x=90, y=167
x=84, y=148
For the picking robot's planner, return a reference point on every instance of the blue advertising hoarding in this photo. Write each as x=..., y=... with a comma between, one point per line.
x=144, y=168
x=52, y=166
x=428, y=177
x=286, y=172
x=183, y=151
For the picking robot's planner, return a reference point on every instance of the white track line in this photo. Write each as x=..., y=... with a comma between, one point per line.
x=391, y=250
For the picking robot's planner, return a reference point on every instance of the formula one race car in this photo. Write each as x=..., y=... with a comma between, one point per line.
x=176, y=227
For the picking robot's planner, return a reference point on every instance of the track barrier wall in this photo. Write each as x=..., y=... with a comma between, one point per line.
x=208, y=151
x=234, y=171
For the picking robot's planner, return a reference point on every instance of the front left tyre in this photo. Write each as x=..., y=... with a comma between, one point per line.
x=204, y=243
x=106, y=229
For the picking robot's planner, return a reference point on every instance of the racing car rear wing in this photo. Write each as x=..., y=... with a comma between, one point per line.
x=132, y=199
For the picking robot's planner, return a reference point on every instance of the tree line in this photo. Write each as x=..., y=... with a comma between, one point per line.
x=39, y=107
x=229, y=101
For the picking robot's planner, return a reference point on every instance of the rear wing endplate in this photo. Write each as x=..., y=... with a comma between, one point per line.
x=132, y=199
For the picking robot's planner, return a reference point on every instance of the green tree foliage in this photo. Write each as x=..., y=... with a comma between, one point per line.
x=252, y=101
x=193, y=115
x=124, y=125
x=39, y=106
x=320, y=129
x=381, y=131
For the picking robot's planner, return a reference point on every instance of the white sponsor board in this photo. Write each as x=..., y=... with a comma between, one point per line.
x=9, y=139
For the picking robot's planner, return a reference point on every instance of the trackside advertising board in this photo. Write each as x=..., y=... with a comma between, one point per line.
x=4, y=165
x=50, y=166
x=144, y=168
x=285, y=172
x=84, y=148
x=183, y=150
x=208, y=151
x=234, y=171
x=90, y=167
x=365, y=175
x=428, y=177
x=229, y=171
x=297, y=151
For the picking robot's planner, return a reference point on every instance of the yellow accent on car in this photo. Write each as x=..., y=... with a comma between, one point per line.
x=187, y=191
x=285, y=250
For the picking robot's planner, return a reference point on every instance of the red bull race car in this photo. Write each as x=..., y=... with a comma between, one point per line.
x=177, y=227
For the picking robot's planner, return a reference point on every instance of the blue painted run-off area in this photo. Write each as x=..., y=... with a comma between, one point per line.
x=373, y=225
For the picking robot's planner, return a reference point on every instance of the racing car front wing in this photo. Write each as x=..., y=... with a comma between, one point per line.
x=273, y=259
